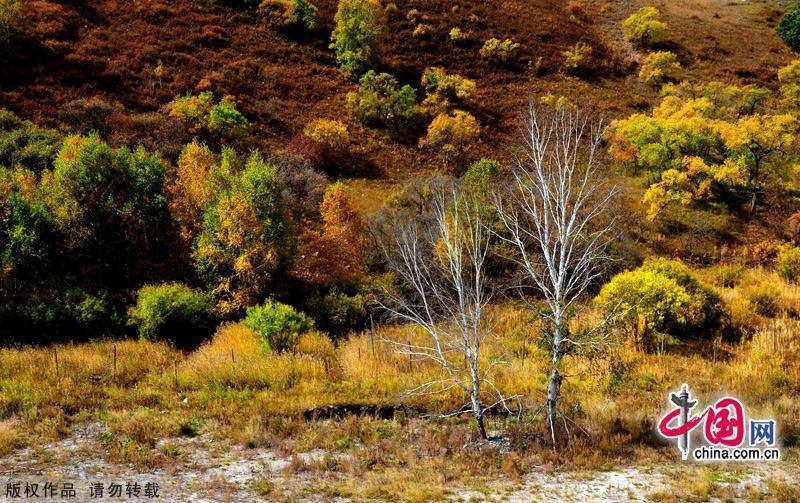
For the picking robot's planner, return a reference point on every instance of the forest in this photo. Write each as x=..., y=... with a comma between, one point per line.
x=360, y=250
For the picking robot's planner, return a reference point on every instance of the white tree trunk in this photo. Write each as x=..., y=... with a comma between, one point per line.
x=552, y=217
x=439, y=258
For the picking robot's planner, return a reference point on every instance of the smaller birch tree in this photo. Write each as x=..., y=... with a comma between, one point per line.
x=439, y=259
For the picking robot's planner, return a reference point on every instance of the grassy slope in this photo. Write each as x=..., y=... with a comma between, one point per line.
x=110, y=49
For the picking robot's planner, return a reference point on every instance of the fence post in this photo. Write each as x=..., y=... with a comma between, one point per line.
x=55, y=351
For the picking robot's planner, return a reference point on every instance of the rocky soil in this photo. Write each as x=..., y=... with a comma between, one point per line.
x=205, y=469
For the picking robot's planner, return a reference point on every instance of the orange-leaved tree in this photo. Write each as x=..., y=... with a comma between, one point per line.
x=334, y=252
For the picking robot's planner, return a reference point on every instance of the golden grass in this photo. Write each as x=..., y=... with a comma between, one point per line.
x=236, y=359
x=231, y=387
x=9, y=436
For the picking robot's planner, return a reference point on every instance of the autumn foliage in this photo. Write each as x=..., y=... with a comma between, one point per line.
x=706, y=143
x=334, y=252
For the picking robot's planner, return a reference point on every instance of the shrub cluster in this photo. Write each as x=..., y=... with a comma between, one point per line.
x=659, y=67
x=787, y=264
x=481, y=173
x=298, y=15
x=172, y=311
x=86, y=115
x=711, y=143
x=789, y=77
x=245, y=236
x=788, y=27
x=331, y=134
x=444, y=90
x=644, y=28
x=199, y=113
x=662, y=299
x=357, y=37
x=457, y=35
x=380, y=101
x=499, y=50
x=450, y=135
x=278, y=325
x=577, y=57
x=23, y=143
x=763, y=298
x=96, y=213
x=338, y=311
x=11, y=14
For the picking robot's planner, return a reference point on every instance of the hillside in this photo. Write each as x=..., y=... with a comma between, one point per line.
x=363, y=250
x=108, y=50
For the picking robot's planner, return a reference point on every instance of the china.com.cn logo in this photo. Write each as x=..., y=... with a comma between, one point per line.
x=723, y=429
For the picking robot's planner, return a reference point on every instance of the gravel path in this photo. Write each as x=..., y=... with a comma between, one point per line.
x=210, y=470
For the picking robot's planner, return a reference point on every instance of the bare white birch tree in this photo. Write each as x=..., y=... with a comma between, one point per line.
x=552, y=217
x=439, y=259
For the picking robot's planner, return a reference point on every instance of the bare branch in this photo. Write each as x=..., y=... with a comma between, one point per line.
x=553, y=216
x=439, y=259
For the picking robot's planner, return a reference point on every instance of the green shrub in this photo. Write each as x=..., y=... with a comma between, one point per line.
x=279, y=325
x=97, y=214
x=445, y=90
x=497, y=50
x=789, y=26
x=26, y=231
x=200, y=114
x=192, y=110
x=379, y=100
x=172, y=311
x=662, y=298
x=245, y=237
x=644, y=28
x=649, y=301
x=68, y=312
x=456, y=34
x=225, y=120
x=659, y=67
x=729, y=275
x=359, y=31
x=789, y=77
x=788, y=264
x=23, y=143
x=742, y=316
x=299, y=15
x=481, y=172
x=11, y=14
x=337, y=312
x=764, y=298
x=108, y=204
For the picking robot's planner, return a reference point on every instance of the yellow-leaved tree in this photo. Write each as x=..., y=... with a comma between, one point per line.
x=245, y=238
x=712, y=143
